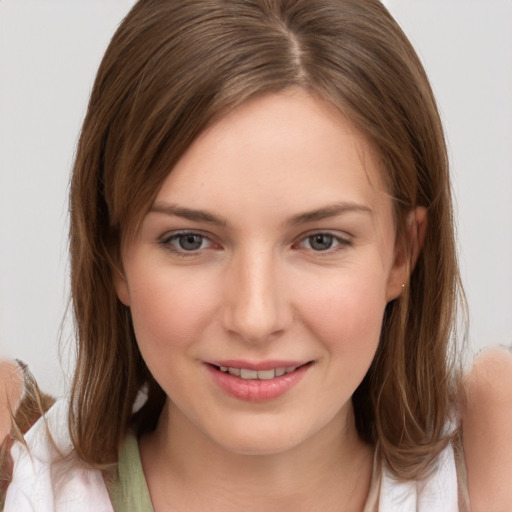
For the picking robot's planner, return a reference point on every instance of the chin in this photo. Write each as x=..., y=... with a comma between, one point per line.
x=259, y=447
x=263, y=440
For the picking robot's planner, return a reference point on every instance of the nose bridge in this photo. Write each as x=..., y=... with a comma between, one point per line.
x=256, y=308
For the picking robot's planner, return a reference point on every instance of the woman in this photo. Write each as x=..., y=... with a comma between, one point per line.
x=263, y=269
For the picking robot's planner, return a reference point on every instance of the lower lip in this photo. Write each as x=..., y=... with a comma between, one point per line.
x=255, y=390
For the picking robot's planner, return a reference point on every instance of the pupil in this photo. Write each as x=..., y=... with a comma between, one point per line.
x=320, y=242
x=190, y=242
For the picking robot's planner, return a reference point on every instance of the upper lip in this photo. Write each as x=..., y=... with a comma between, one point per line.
x=258, y=366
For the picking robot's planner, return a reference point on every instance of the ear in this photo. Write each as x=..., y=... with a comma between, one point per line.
x=121, y=286
x=407, y=251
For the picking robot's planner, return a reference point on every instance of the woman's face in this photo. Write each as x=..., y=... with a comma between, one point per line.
x=258, y=281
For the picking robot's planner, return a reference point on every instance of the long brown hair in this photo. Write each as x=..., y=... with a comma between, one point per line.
x=175, y=66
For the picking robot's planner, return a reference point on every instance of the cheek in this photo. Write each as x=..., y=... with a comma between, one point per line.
x=347, y=311
x=169, y=311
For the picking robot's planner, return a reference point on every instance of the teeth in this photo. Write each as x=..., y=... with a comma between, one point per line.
x=248, y=374
x=266, y=374
x=254, y=374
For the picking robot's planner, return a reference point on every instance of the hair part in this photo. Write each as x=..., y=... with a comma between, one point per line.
x=171, y=70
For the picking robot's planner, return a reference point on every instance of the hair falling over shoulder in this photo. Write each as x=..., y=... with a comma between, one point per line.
x=33, y=404
x=172, y=68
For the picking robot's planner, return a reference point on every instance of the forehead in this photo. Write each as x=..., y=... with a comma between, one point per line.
x=291, y=149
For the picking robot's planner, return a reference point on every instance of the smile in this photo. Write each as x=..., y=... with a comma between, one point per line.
x=261, y=383
x=248, y=374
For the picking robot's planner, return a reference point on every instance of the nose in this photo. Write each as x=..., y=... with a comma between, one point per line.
x=256, y=307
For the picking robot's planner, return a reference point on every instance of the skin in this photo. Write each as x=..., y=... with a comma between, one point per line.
x=256, y=289
x=11, y=389
x=487, y=431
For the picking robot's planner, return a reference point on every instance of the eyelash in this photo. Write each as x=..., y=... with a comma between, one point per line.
x=167, y=243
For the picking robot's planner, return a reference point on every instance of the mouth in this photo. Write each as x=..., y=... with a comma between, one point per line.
x=251, y=374
x=257, y=382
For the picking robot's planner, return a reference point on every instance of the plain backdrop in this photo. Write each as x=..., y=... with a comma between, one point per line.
x=49, y=51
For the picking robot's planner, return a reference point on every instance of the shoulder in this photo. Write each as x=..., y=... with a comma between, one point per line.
x=11, y=391
x=47, y=474
x=487, y=430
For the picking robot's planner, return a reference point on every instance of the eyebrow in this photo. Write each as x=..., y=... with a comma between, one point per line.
x=330, y=211
x=326, y=212
x=188, y=213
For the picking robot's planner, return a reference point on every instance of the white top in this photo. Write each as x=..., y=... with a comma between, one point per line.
x=39, y=484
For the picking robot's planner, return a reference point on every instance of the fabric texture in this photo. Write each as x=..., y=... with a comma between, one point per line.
x=48, y=477
x=130, y=491
x=438, y=492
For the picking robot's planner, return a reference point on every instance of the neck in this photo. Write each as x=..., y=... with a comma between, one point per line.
x=186, y=470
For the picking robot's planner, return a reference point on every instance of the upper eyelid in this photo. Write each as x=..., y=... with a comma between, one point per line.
x=344, y=236
x=177, y=232
x=332, y=232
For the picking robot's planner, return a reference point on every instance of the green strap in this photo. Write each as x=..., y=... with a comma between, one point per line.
x=129, y=491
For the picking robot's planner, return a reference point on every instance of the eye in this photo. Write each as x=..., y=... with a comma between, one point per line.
x=190, y=241
x=186, y=242
x=323, y=242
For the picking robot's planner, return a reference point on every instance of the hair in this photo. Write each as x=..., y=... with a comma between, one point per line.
x=26, y=403
x=172, y=69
